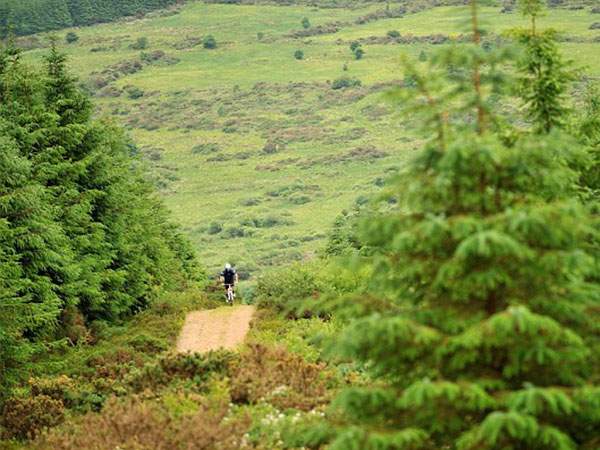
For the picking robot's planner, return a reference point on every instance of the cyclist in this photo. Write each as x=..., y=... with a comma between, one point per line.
x=229, y=277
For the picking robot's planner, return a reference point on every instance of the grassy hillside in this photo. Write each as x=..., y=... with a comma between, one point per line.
x=254, y=151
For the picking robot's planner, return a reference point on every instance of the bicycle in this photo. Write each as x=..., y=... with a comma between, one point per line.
x=230, y=295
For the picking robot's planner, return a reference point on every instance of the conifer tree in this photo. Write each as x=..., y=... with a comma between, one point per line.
x=486, y=264
x=34, y=257
x=81, y=228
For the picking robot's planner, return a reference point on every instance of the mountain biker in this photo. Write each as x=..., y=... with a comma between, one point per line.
x=228, y=277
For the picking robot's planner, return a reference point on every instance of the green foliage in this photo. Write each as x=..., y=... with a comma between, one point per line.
x=141, y=43
x=354, y=45
x=68, y=245
x=588, y=128
x=299, y=54
x=33, y=16
x=545, y=79
x=285, y=289
x=485, y=267
x=27, y=418
x=422, y=56
x=358, y=53
x=71, y=37
x=209, y=42
x=393, y=34
x=345, y=82
x=305, y=23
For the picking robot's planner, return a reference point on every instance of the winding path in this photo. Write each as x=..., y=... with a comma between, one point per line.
x=224, y=327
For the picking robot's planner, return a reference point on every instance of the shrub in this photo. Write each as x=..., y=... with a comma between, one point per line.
x=265, y=222
x=345, y=67
x=236, y=232
x=71, y=37
x=358, y=53
x=140, y=44
x=196, y=367
x=595, y=26
x=250, y=201
x=204, y=149
x=393, y=34
x=143, y=424
x=298, y=198
x=135, y=93
x=146, y=343
x=595, y=10
x=209, y=42
x=286, y=190
x=60, y=388
x=422, y=56
x=260, y=35
x=298, y=54
x=354, y=45
x=27, y=418
x=305, y=23
x=283, y=379
x=345, y=82
x=272, y=146
x=247, y=293
x=215, y=227
x=284, y=288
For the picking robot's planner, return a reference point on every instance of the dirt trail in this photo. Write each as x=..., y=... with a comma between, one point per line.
x=208, y=330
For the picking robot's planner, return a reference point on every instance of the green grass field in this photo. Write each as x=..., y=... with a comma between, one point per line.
x=204, y=120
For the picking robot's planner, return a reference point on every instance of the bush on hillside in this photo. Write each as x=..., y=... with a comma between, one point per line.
x=285, y=380
x=205, y=149
x=595, y=26
x=136, y=423
x=209, y=42
x=71, y=37
x=299, y=54
x=345, y=82
x=393, y=34
x=194, y=367
x=359, y=53
x=135, y=93
x=140, y=44
x=27, y=418
x=305, y=23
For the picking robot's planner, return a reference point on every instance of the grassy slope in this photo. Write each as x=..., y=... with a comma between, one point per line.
x=216, y=96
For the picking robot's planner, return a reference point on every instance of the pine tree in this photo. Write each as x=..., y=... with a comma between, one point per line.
x=487, y=267
x=81, y=228
x=33, y=255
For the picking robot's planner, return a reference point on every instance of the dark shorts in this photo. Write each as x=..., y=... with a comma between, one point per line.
x=229, y=284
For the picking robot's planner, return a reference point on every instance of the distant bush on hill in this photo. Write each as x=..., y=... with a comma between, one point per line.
x=71, y=37
x=209, y=42
x=140, y=44
x=345, y=82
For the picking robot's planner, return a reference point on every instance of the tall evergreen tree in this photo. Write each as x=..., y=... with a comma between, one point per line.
x=82, y=230
x=487, y=266
x=34, y=259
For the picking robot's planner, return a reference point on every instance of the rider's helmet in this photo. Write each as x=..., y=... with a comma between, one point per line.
x=228, y=266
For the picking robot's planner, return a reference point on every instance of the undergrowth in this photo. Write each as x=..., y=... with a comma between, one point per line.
x=128, y=389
